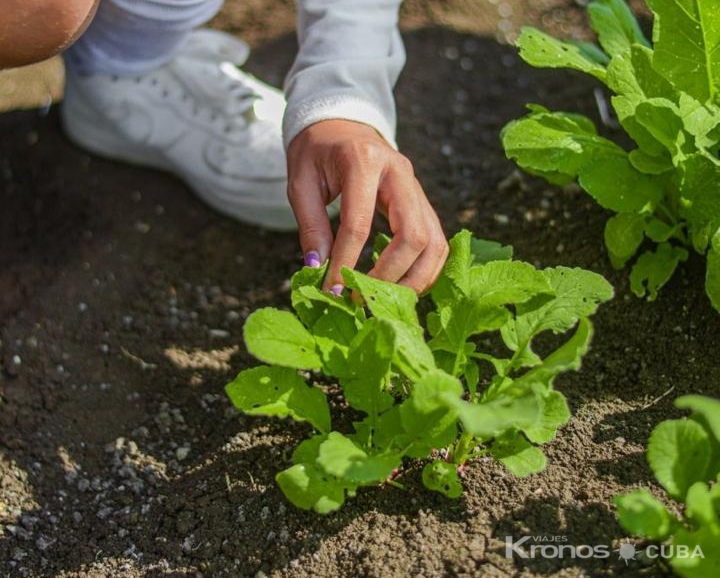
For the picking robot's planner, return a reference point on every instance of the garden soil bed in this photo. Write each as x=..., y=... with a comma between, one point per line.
x=122, y=300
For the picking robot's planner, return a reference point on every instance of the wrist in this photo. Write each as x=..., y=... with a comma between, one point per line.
x=349, y=108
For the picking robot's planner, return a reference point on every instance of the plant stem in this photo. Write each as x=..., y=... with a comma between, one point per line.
x=463, y=448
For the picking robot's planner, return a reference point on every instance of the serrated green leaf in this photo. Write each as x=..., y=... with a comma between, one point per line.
x=649, y=164
x=634, y=80
x=307, y=311
x=701, y=237
x=442, y=477
x=616, y=185
x=518, y=455
x=661, y=118
x=653, y=269
x=385, y=300
x=333, y=333
x=506, y=282
x=700, y=120
x=428, y=395
x=369, y=358
x=413, y=357
x=659, y=231
x=578, y=293
x=454, y=279
x=307, y=450
x=615, y=25
x=678, y=453
x=488, y=419
x=484, y=251
x=278, y=337
x=633, y=76
x=386, y=432
x=592, y=52
x=340, y=457
x=699, y=506
x=706, y=407
x=555, y=413
x=567, y=357
x=308, y=277
x=309, y=488
x=701, y=536
x=328, y=300
x=623, y=234
x=642, y=514
x=543, y=143
x=625, y=108
x=700, y=191
x=466, y=318
x=472, y=377
x=687, y=45
x=279, y=391
x=426, y=417
x=543, y=51
x=696, y=566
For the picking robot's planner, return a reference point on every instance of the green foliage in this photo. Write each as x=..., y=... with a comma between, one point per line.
x=666, y=190
x=420, y=393
x=684, y=455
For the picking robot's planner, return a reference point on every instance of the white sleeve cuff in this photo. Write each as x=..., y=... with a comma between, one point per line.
x=335, y=107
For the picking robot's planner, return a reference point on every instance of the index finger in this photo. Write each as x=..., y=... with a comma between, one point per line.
x=357, y=208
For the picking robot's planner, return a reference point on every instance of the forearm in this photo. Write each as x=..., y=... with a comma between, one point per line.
x=32, y=30
x=350, y=57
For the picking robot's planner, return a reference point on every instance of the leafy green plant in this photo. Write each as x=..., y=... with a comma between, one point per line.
x=667, y=99
x=684, y=455
x=416, y=394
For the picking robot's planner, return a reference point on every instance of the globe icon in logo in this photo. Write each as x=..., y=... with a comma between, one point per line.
x=626, y=552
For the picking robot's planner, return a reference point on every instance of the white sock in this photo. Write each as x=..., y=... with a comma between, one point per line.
x=135, y=36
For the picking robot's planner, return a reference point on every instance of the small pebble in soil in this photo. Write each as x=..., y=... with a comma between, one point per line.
x=182, y=453
x=219, y=333
x=451, y=52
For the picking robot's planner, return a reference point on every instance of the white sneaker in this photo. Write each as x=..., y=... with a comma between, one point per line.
x=199, y=117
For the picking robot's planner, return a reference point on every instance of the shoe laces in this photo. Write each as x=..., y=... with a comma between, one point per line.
x=216, y=92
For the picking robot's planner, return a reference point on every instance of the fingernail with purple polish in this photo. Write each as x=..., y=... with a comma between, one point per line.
x=337, y=289
x=312, y=259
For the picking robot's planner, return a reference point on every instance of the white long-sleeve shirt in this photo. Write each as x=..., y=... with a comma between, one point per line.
x=350, y=57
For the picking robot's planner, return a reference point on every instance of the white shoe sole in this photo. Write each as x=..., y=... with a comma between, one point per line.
x=91, y=132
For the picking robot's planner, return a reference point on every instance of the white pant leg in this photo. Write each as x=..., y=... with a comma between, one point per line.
x=135, y=36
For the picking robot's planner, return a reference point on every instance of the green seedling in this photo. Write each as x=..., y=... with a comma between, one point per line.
x=684, y=455
x=421, y=391
x=666, y=95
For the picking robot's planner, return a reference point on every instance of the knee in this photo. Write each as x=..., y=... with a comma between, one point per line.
x=32, y=30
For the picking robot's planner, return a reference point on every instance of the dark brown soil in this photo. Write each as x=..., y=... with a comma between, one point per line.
x=122, y=300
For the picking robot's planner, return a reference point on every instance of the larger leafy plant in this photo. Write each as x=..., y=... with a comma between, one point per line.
x=666, y=97
x=684, y=455
x=417, y=393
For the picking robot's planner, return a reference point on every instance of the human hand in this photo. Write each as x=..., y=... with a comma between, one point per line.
x=339, y=157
